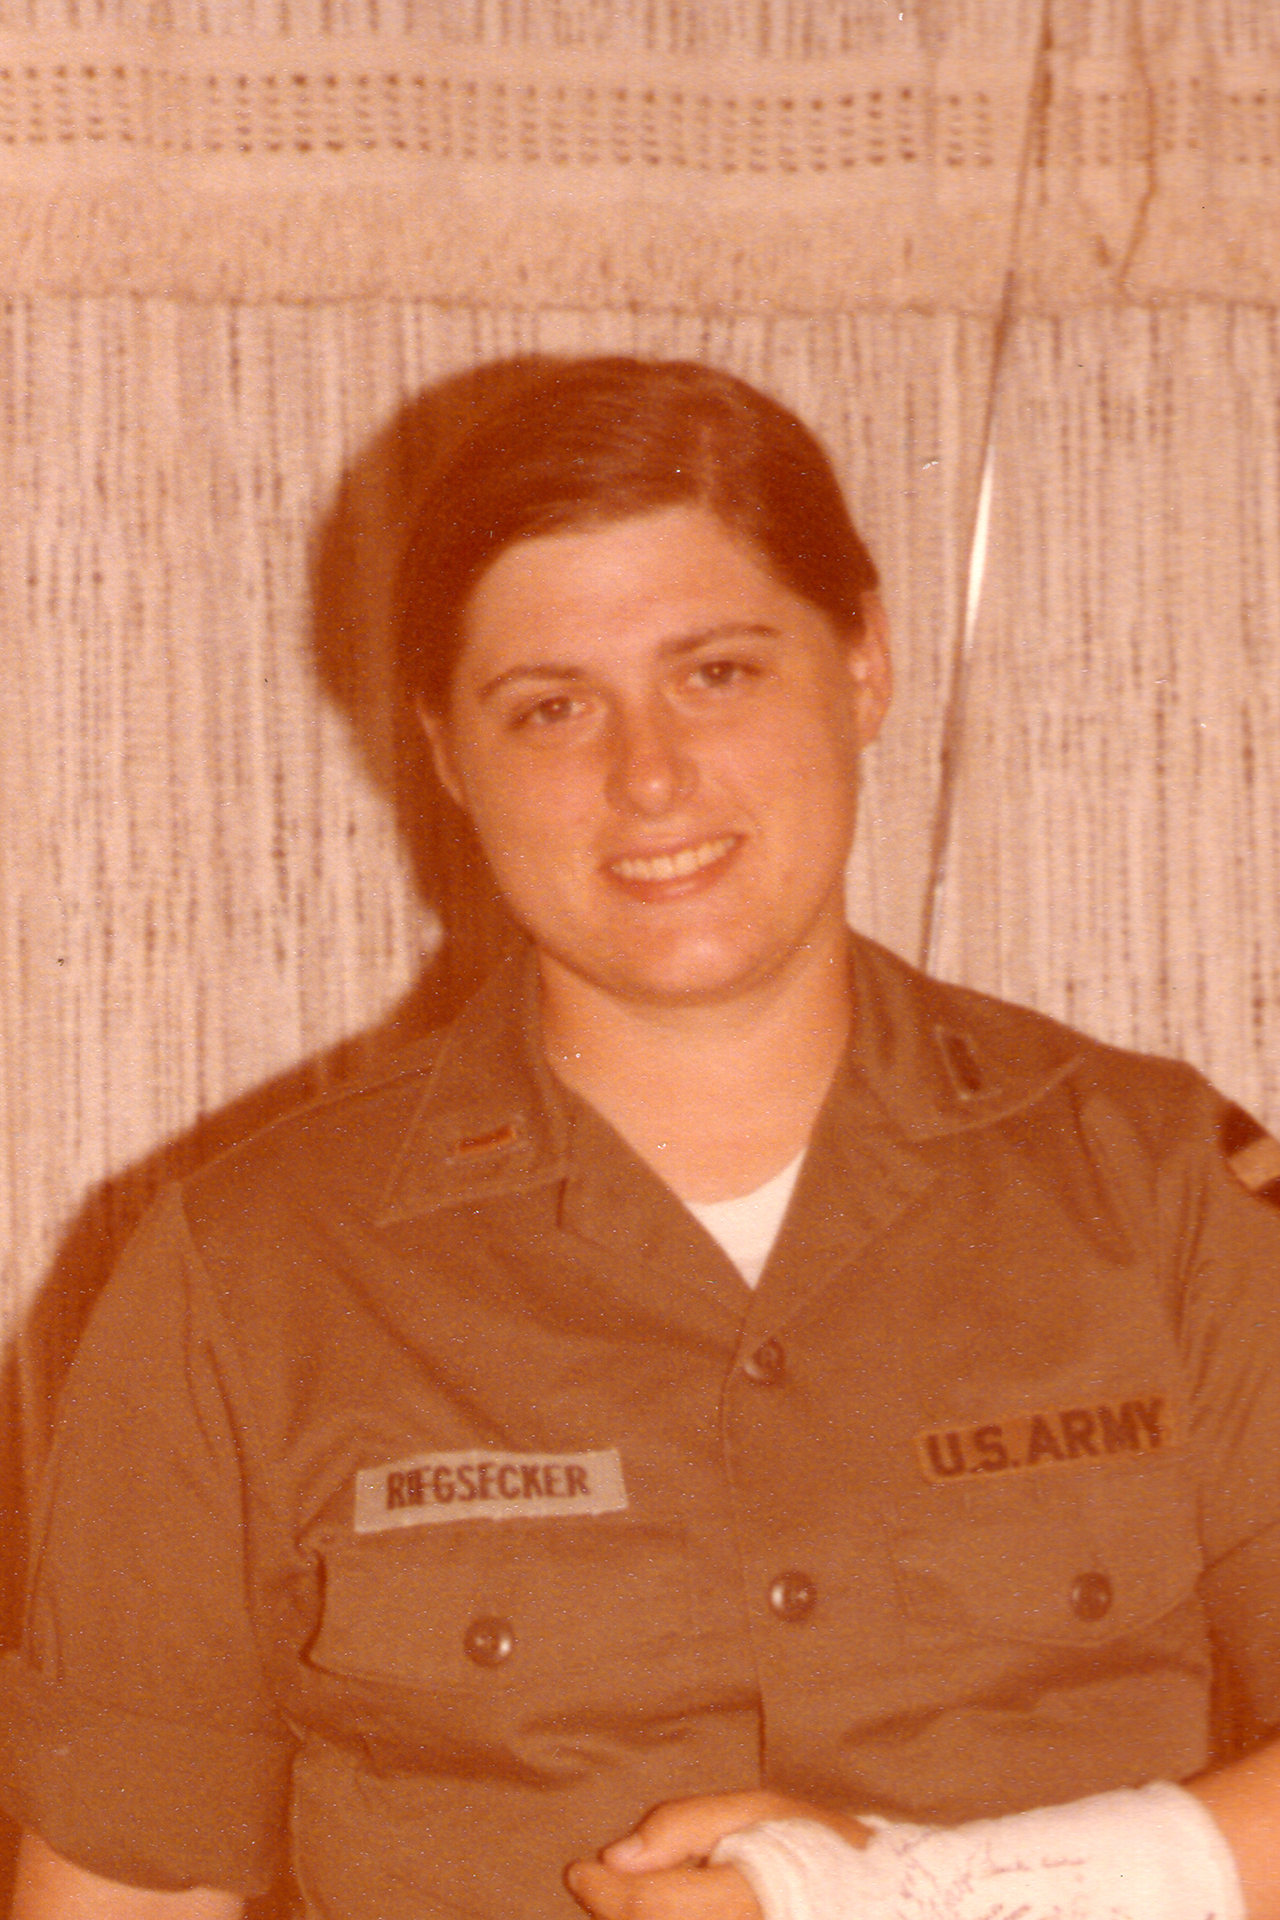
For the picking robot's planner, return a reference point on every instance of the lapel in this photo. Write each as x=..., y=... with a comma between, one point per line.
x=926, y=1062
x=657, y=1249
x=493, y=1121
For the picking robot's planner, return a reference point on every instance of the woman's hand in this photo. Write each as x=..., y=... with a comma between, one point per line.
x=660, y=1871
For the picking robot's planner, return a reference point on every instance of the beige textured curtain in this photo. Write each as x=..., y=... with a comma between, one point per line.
x=237, y=238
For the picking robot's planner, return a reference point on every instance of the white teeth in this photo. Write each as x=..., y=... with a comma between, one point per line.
x=673, y=866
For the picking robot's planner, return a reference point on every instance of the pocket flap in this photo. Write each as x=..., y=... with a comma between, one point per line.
x=1069, y=1564
x=577, y=1600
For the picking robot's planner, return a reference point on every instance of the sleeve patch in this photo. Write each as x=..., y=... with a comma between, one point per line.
x=1252, y=1156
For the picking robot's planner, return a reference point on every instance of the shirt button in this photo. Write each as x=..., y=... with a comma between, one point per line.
x=1091, y=1596
x=766, y=1365
x=793, y=1596
x=489, y=1642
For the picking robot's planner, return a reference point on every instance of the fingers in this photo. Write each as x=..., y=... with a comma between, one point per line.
x=681, y=1832
x=678, y=1893
x=606, y=1895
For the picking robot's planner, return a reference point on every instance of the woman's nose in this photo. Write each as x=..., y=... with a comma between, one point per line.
x=651, y=765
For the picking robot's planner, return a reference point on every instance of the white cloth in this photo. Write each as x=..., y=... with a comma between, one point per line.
x=1149, y=1854
x=747, y=1226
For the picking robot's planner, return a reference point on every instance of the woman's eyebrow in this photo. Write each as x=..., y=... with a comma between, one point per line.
x=712, y=636
x=541, y=670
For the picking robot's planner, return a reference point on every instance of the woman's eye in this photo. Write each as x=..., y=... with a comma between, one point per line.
x=720, y=673
x=550, y=712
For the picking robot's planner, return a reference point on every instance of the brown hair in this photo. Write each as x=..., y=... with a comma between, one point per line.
x=598, y=440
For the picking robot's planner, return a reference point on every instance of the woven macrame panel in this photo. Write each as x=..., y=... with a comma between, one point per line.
x=761, y=156
x=1116, y=845
x=199, y=856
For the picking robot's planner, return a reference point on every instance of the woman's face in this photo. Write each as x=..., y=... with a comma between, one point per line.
x=657, y=743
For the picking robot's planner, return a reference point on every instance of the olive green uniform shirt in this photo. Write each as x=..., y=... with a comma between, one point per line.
x=430, y=1489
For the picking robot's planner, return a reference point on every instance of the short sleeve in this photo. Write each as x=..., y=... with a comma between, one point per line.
x=1232, y=1341
x=137, y=1730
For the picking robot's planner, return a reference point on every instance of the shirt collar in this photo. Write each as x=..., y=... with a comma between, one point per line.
x=493, y=1119
x=943, y=1059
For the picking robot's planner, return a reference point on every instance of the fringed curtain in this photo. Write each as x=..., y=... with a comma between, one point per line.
x=239, y=237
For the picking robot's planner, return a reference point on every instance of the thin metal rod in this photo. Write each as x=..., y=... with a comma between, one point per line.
x=956, y=713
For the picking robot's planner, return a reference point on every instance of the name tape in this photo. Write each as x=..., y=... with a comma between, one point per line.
x=1027, y=1442
x=434, y=1489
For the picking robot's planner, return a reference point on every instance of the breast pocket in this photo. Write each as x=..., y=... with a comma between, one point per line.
x=533, y=1623
x=1067, y=1563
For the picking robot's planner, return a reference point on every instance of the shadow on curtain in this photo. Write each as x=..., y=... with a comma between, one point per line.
x=354, y=558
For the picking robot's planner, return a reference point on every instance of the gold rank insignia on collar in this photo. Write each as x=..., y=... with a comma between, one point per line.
x=1252, y=1156
x=493, y=1140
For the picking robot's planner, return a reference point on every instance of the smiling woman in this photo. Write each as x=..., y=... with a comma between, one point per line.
x=648, y=650
x=657, y=742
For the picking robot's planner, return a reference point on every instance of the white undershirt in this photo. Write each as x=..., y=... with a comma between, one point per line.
x=747, y=1226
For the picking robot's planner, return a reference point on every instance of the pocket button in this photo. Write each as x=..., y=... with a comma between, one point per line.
x=489, y=1642
x=1091, y=1596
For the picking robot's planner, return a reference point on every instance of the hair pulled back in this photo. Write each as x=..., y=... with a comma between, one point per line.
x=594, y=441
